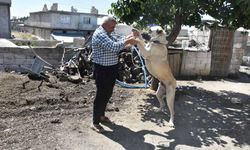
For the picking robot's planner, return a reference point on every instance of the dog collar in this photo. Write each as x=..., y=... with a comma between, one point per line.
x=157, y=42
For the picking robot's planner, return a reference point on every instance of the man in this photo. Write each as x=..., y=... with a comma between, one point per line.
x=105, y=58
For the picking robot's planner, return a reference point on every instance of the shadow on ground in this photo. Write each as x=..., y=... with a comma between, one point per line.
x=134, y=140
x=203, y=118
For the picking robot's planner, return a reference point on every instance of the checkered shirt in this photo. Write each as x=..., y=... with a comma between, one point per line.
x=105, y=48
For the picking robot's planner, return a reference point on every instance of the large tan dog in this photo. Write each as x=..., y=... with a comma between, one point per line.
x=155, y=54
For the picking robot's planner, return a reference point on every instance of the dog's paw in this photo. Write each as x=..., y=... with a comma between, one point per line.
x=171, y=123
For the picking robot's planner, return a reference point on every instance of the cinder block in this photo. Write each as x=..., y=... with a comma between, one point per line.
x=189, y=66
x=192, y=55
x=29, y=61
x=207, y=67
x=190, y=61
x=20, y=56
x=202, y=65
x=207, y=61
x=8, y=56
x=1, y=55
x=21, y=62
x=9, y=61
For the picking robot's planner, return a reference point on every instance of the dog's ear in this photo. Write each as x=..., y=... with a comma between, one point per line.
x=159, y=31
x=146, y=36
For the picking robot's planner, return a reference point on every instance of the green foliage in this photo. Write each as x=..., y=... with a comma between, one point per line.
x=230, y=13
x=175, y=13
x=24, y=35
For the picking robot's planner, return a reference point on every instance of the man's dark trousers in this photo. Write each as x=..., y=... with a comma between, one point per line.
x=105, y=77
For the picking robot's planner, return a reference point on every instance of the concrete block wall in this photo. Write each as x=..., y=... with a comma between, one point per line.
x=12, y=57
x=42, y=19
x=41, y=32
x=62, y=20
x=36, y=43
x=239, y=48
x=196, y=63
x=247, y=51
x=201, y=36
x=68, y=20
x=5, y=20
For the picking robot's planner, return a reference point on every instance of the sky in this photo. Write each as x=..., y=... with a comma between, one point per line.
x=22, y=8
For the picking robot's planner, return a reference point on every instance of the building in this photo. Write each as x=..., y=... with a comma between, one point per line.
x=5, y=31
x=51, y=23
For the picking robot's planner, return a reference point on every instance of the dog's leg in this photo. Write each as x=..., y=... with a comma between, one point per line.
x=144, y=49
x=160, y=94
x=170, y=94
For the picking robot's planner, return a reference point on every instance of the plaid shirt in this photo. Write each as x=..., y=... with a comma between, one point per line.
x=105, y=48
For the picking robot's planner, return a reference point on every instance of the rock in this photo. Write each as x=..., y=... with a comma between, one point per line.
x=33, y=108
x=236, y=101
x=75, y=79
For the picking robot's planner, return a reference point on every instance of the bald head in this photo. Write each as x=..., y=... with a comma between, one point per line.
x=108, y=19
x=109, y=23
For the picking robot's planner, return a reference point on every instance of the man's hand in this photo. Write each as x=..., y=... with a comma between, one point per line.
x=135, y=32
x=131, y=40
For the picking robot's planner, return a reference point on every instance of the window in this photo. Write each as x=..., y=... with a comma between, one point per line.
x=86, y=20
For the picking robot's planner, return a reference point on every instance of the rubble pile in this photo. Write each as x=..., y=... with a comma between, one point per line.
x=80, y=66
x=130, y=68
x=76, y=64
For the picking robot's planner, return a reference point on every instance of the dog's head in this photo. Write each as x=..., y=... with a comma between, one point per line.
x=155, y=34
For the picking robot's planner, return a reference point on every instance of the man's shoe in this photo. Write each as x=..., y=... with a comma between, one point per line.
x=105, y=119
x=98, y=128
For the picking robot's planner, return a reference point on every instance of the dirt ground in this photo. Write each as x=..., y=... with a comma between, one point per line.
x=209, y=115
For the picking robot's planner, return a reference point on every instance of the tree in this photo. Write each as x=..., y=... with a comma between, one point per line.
x=175, y=13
